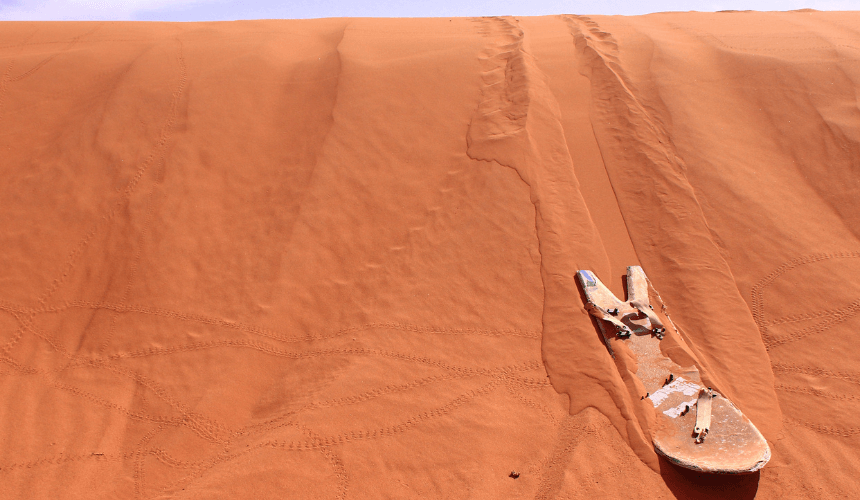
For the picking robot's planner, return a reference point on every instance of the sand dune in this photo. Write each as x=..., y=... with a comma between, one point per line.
x=335, y=258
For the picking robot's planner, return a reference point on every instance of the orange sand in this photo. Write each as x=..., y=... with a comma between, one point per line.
x=335, y=258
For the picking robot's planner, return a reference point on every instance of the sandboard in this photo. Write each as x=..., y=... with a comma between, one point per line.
x=696, y=427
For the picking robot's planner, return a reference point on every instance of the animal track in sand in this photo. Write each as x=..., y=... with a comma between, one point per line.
x=825, y=429
x=268, y=333
x=828, y=319
x=74, y=41
x=162, y=456
x=811, y=391
x=757, y=291
x=832, y=319
x=815, y=371
x=325, y=444
x=157, y=150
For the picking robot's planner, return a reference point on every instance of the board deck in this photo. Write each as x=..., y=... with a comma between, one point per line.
x=727, y=441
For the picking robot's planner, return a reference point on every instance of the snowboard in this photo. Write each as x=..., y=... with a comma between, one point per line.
x=696, y=427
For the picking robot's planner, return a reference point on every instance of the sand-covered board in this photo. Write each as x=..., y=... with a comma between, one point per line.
x=696, y=426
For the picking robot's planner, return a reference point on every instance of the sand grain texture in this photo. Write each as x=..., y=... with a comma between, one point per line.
x=335, y=258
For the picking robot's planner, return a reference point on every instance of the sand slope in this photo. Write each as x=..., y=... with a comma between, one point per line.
x=335, y=258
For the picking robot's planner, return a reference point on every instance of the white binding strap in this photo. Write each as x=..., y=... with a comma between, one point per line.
x=703, y=414
x=600, y=313
x=643, y=307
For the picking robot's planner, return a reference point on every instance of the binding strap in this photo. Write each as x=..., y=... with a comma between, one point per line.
x=703, y=414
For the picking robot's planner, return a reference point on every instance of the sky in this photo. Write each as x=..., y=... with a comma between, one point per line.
x=226, y=10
